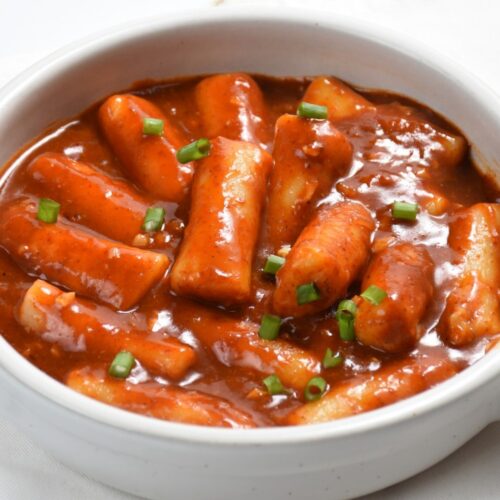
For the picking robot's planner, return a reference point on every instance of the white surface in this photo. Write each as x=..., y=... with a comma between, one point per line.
x=29, y=30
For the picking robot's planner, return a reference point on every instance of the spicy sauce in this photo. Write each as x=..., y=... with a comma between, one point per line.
x=392, y=160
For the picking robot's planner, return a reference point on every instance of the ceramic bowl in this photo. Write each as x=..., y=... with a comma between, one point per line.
x=157, y=459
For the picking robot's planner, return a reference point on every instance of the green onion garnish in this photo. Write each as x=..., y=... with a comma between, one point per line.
x=152, y=126
x=374, y=295
x=346, y=328
x=404, y=210
x=308, y=110
x=153, y=221
x=48, y=210
x=122, y=365
x=273, y=264
x=346, y=311
x=194, y=151
x=331, y=360
x=307, y=293
x=269, y=327
x=315, y=388
x=273, y=385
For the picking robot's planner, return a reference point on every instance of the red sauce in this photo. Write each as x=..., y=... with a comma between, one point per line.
x=392, y=160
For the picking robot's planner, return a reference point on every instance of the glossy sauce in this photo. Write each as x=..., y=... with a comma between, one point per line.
x=391, y=161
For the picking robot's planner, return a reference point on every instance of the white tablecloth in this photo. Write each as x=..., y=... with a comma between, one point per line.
x=466, y=30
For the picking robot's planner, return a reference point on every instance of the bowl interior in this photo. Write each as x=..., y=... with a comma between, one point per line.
x=266, y=43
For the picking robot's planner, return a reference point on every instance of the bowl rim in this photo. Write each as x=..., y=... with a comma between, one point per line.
x=17, y=367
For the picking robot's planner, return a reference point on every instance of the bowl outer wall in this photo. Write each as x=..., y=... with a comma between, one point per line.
x=333, y=468
x=272, y=42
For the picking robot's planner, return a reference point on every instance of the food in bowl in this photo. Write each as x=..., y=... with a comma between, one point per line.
x=244, y=251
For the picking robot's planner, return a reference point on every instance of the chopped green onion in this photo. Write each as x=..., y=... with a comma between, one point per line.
x=315, y=388
x=346, y=328
x=273, y=264
x=346, y=311
x=122, y=365
x=307, y=293
x=152, y=126
x=308, y=110
x=194, y=151
x=273, y=385
x=331, y=360
x=404, y=210
x=347, y=307
x=374, y=295
x=48, y=210
x=153, y=221
x=269, y=327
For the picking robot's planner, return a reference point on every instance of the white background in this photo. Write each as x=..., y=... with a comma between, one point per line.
x=466, y=30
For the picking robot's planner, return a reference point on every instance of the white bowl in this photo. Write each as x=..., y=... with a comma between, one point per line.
x=157, y=459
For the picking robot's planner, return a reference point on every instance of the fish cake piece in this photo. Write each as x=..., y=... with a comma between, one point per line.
x=149, y=160
x=65, y=254
x=109, y=206
x=406, y=273
x=473, y=307
x=330, y=253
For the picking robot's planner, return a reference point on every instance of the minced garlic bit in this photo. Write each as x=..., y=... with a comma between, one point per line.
x=114, y=253
x=65, y=299
x=284, y=250
x=437, y=205
x=140, y=240
x=312, y=150
x=256, y=393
